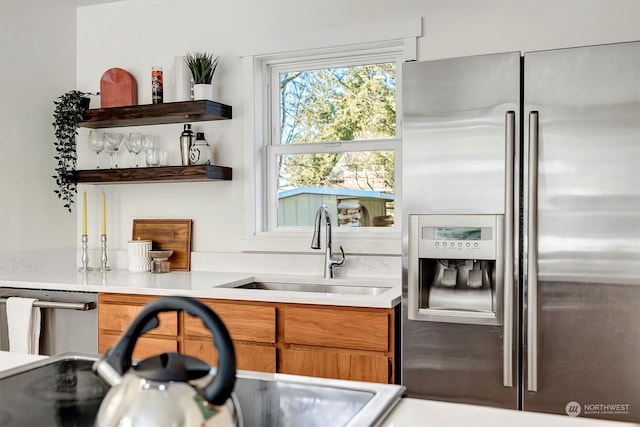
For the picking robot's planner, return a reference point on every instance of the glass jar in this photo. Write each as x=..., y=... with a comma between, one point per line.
x=160, y=265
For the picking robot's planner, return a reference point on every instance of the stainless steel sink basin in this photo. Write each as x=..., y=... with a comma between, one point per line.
x=313, y=287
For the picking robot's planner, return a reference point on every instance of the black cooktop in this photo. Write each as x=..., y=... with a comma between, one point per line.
x=62, y=393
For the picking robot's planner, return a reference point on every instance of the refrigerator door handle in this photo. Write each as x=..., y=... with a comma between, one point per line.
x=532, y=257
x=507, y=343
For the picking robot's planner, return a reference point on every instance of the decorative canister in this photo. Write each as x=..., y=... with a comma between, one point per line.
x=139, y=258
x=200, y=151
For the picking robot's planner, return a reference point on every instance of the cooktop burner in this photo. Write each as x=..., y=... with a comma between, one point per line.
x=63, y=393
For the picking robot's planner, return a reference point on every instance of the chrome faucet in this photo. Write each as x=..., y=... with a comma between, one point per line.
x=330, y=263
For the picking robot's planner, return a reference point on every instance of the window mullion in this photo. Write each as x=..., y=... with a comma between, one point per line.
x=335, y=147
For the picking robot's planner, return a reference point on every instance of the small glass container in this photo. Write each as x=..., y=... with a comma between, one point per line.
x=161, y=265
x=151, y=155
x=160, y=260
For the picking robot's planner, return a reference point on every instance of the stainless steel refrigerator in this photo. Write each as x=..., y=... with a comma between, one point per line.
x=521, y=244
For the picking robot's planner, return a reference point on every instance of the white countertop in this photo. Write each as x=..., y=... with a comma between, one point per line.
x=10, y=360
x=201, y=284
x=417, y=413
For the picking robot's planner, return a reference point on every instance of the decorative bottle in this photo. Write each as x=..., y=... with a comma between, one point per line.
x=157, y=85
x=200, y=152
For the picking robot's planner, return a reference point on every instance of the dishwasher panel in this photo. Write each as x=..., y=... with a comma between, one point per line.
x=62, y=329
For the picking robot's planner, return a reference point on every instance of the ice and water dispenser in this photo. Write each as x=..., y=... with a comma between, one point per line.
x=455, y=268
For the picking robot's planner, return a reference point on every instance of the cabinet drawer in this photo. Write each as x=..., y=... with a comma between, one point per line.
x=341, y=328
x=145, y=346
x=336, y=364
x=244, y=322
x=117, y=317
x=248, y=357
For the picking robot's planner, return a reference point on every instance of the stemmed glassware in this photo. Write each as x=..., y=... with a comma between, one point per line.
x=96, y=143
x=135, y=144
x=113, y=142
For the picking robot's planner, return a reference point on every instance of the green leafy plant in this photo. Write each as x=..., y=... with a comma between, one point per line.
x=203, y=66
x=67, y=114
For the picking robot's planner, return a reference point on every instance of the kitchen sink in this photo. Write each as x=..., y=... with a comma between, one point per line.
x=312, y=287
x=63, y=390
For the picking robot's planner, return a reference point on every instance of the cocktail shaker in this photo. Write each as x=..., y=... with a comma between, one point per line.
x=186, y=138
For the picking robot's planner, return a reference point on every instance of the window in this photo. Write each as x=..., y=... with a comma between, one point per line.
x=332, y=140
x=357, y=174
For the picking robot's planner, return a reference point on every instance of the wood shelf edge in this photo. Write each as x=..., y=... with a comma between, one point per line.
x=154, y=174
x=150, y=114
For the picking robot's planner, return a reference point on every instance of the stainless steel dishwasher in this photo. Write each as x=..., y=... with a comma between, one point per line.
x=69, y=320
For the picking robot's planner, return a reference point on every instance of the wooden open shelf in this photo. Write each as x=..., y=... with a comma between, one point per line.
x=155, y=114
x=154, y=174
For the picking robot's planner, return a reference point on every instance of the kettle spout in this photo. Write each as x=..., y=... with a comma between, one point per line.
x=107, y=372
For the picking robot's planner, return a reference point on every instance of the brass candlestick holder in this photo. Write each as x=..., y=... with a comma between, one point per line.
x=85, y=256
x=103, y=257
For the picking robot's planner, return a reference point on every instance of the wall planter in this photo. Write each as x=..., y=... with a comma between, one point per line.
x=67, y=115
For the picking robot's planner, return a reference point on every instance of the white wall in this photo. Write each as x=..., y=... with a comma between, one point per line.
x=137, y=34
x=37, y=47
x=38, y=44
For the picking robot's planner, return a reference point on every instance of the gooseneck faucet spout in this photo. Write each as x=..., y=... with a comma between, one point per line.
x=330, y=263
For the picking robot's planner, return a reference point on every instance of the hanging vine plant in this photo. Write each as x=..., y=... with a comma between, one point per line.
x=67, y=114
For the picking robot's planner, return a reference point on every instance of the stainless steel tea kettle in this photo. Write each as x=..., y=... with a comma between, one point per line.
x=161, y=390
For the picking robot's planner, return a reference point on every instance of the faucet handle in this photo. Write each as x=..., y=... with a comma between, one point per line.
x=336, y=262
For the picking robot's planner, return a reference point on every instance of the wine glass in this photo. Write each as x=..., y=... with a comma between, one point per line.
x=96, y=143
x=135, y=145
x=113, y=142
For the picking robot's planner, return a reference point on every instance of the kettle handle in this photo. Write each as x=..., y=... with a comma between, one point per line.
x=219, y=389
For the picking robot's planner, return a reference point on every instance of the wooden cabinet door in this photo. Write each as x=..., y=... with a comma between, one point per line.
x=245, y=322
x=248, y=357
x=118, y=317
x=335, y=364
x=116, y=313
x=145, y=346
x=337, y=327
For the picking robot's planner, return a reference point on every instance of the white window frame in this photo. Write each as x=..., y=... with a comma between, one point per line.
x=274, y=148
x=397, y=40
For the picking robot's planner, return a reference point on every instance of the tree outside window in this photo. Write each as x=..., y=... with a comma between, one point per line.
x=326, y=107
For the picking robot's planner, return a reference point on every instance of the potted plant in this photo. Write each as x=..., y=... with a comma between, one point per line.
x=202, y=66
x=67, y=114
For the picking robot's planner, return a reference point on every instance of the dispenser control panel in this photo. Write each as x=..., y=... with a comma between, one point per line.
x=459, y=236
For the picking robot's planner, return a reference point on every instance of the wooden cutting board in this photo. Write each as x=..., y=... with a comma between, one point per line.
x=118, y=88
x=167, y=234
